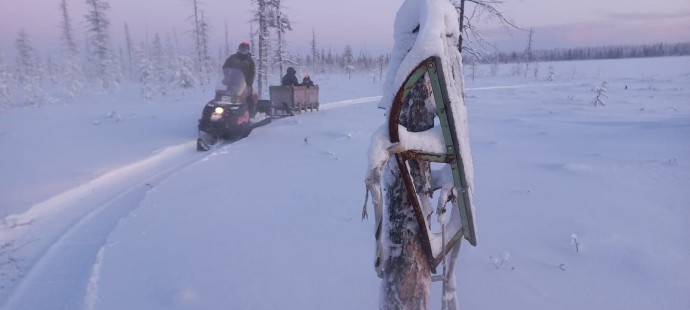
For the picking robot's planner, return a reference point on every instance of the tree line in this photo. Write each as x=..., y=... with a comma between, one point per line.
x=585, y=53
x=162, y=64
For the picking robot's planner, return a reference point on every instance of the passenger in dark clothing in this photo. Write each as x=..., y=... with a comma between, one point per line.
x=290, y=78
x=306, y=81
x=242, y=60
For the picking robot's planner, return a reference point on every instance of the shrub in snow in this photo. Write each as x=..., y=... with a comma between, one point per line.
x=499, y=261
x=349, y=69
x=551, y=74
x=575, y=242
x=493, y=69
x=601, y=93
x=333, y=155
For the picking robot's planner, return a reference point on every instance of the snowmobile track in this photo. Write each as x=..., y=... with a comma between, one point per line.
x=72, y=227
x=62, y=267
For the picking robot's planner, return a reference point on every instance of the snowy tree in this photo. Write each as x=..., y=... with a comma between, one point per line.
x=73, y=76
x=262, y=17
x=529, y=53
x=97, y=27
x=252, y=47
x=314, y=51
x=226, y=48
x=201, y=39
x=158, y=62
x=348, y=56
x=67, y=29
x=206, y=63
x=146, y=71
x=28, y=71
x=281, y=24
x=72, y=71
x=184, y=76
x=177, y=42
x=470, y=36
x=380, y=64
x=128, y=44
x=6, y=84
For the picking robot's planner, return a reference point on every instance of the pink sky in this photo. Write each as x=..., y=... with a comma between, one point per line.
x=364, y=24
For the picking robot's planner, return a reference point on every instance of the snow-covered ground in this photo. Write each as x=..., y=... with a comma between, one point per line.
x=106, y=204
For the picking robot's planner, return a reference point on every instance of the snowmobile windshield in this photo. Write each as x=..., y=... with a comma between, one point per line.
x=232, y=82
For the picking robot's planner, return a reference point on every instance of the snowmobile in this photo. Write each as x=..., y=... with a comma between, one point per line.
x=232, y=113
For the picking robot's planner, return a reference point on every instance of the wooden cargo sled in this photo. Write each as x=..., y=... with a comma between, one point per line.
x=288, y=100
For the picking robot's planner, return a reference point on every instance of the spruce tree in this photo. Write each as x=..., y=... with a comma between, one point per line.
x=184, y=76
x=29, y=73
x=6, y=84
x=72, y=72
x=97, y=28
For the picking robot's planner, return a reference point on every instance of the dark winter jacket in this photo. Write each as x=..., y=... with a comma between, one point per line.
x=290, y=78
x=244, y=63
x=307, y=82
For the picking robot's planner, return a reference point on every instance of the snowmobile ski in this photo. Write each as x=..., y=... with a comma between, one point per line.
x=431, y=71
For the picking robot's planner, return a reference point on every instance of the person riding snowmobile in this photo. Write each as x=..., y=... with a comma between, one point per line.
x=242, y=60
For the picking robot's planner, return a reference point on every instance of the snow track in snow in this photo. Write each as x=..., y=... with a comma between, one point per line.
x=67, y=231
x=345, y=103
x=65, y=234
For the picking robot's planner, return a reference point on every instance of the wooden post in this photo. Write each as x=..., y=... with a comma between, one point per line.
x=406, y=278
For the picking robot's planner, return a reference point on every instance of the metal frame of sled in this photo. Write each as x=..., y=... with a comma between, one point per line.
x=432, y=67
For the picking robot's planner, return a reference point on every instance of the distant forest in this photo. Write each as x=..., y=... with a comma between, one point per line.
x=584, y=53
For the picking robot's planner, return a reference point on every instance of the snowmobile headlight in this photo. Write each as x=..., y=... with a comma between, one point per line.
x=218, y=110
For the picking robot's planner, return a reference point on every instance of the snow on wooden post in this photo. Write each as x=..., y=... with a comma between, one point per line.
x=424, y=78
x=406, y=273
